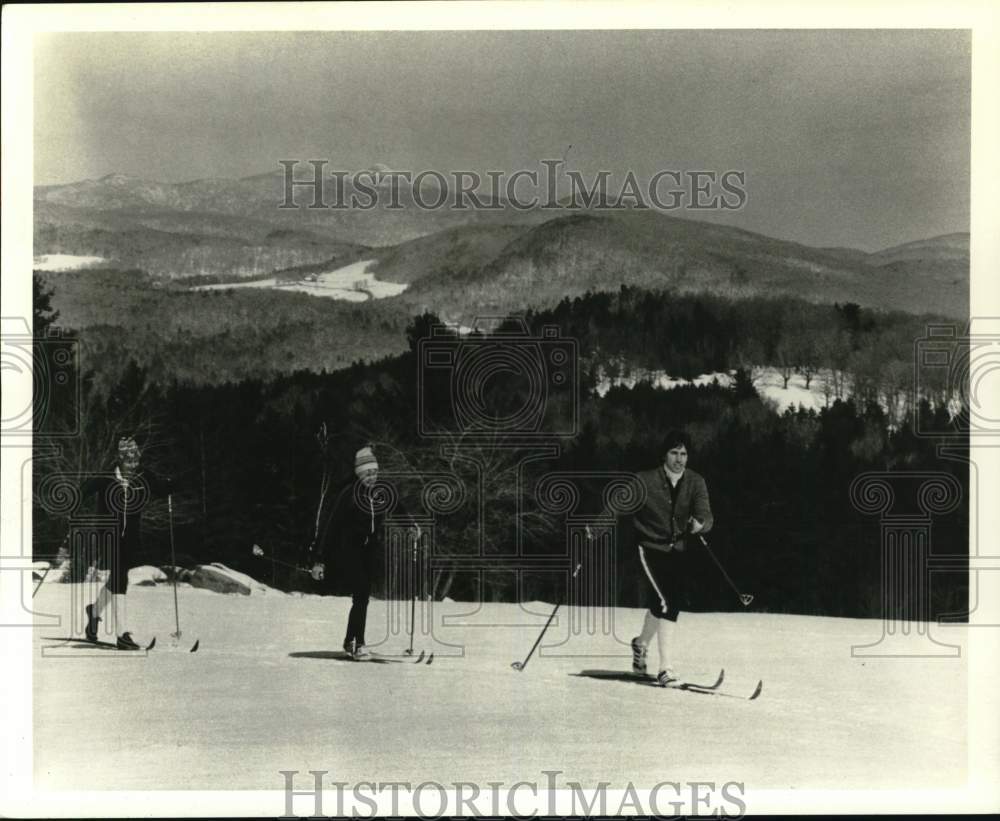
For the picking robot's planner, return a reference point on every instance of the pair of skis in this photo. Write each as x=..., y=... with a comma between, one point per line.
x=108, y=645
x=708, y=689
x=376, y=658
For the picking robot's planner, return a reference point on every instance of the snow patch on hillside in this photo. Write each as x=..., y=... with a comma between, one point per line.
x=818, y=395
x=768, y=382
x=352, y=283
x=65, y=262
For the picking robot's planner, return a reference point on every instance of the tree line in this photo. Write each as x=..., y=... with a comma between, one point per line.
x=247, y=466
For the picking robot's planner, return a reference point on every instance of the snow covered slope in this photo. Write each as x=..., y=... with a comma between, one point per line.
x=264, y=693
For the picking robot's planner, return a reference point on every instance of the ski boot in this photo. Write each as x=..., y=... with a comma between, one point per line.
x=666, y=677
x=90, y=631
x=126, y=642
x=638, y=657
x=356, y=650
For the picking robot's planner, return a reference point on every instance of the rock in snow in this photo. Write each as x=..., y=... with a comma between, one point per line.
x=182, y=574
x=146, y=576
x=221, y=579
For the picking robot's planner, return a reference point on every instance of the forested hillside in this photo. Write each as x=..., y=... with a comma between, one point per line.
x=247, y=465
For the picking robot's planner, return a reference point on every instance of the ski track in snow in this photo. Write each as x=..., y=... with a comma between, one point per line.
x=242, y=708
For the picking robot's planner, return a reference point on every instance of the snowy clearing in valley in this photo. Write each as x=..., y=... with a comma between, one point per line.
x=65, y=262
x=264, y=693
x=352, y=283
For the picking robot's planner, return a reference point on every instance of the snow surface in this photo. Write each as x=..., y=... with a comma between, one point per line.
x=351, y=282
x=65, y=262
x=263, y=694
x=271, y=282
x=767, y=381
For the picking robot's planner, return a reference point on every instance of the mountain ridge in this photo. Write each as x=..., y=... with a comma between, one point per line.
x=469, y=261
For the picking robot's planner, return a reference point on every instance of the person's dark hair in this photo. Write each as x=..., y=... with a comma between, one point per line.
x=675, y=439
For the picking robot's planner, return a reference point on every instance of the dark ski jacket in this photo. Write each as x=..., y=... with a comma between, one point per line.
x=125, y=507
x=662, y=520
x=353, y=522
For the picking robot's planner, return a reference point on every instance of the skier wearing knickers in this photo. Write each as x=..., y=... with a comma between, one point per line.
x=351, y=540
x=122, y=495
x=676, y=506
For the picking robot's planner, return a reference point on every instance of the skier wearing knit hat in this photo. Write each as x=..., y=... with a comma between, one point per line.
x=350, y=539
x=121, y=495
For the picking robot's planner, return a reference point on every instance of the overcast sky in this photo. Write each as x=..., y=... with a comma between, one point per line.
x=853, y=138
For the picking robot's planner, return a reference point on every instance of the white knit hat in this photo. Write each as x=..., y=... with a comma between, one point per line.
x=364, y=460
x=128, y=448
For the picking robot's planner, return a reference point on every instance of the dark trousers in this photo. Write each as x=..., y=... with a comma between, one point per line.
x=664, y=573
x=119, y=564
x=103, y=547
x=359, y=572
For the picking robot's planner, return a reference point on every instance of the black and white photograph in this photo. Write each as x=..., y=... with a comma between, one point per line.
x=499, y=409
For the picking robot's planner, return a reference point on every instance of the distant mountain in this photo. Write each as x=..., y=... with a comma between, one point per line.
x=463, y=263
x=260, y=197
x=953, y=247
x=572, y=254
x=171, y=244
x=851, y=253
x=444, y=254
x=939, y=265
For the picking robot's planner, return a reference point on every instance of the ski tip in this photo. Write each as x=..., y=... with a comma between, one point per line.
x=194, y=649
x=718, y=681
x=430, y=658
x=152, y=644
x=760, y=686
x=420, y=658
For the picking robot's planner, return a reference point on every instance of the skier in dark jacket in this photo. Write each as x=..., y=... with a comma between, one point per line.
x=122, y=496
x=351, y=542
x=676, y=507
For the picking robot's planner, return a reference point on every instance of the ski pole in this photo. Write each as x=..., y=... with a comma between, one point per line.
x=413, y=594
x=745, y=598
x=258, y=551
x=48, y=567
x=520, y=665
x=173, y=564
